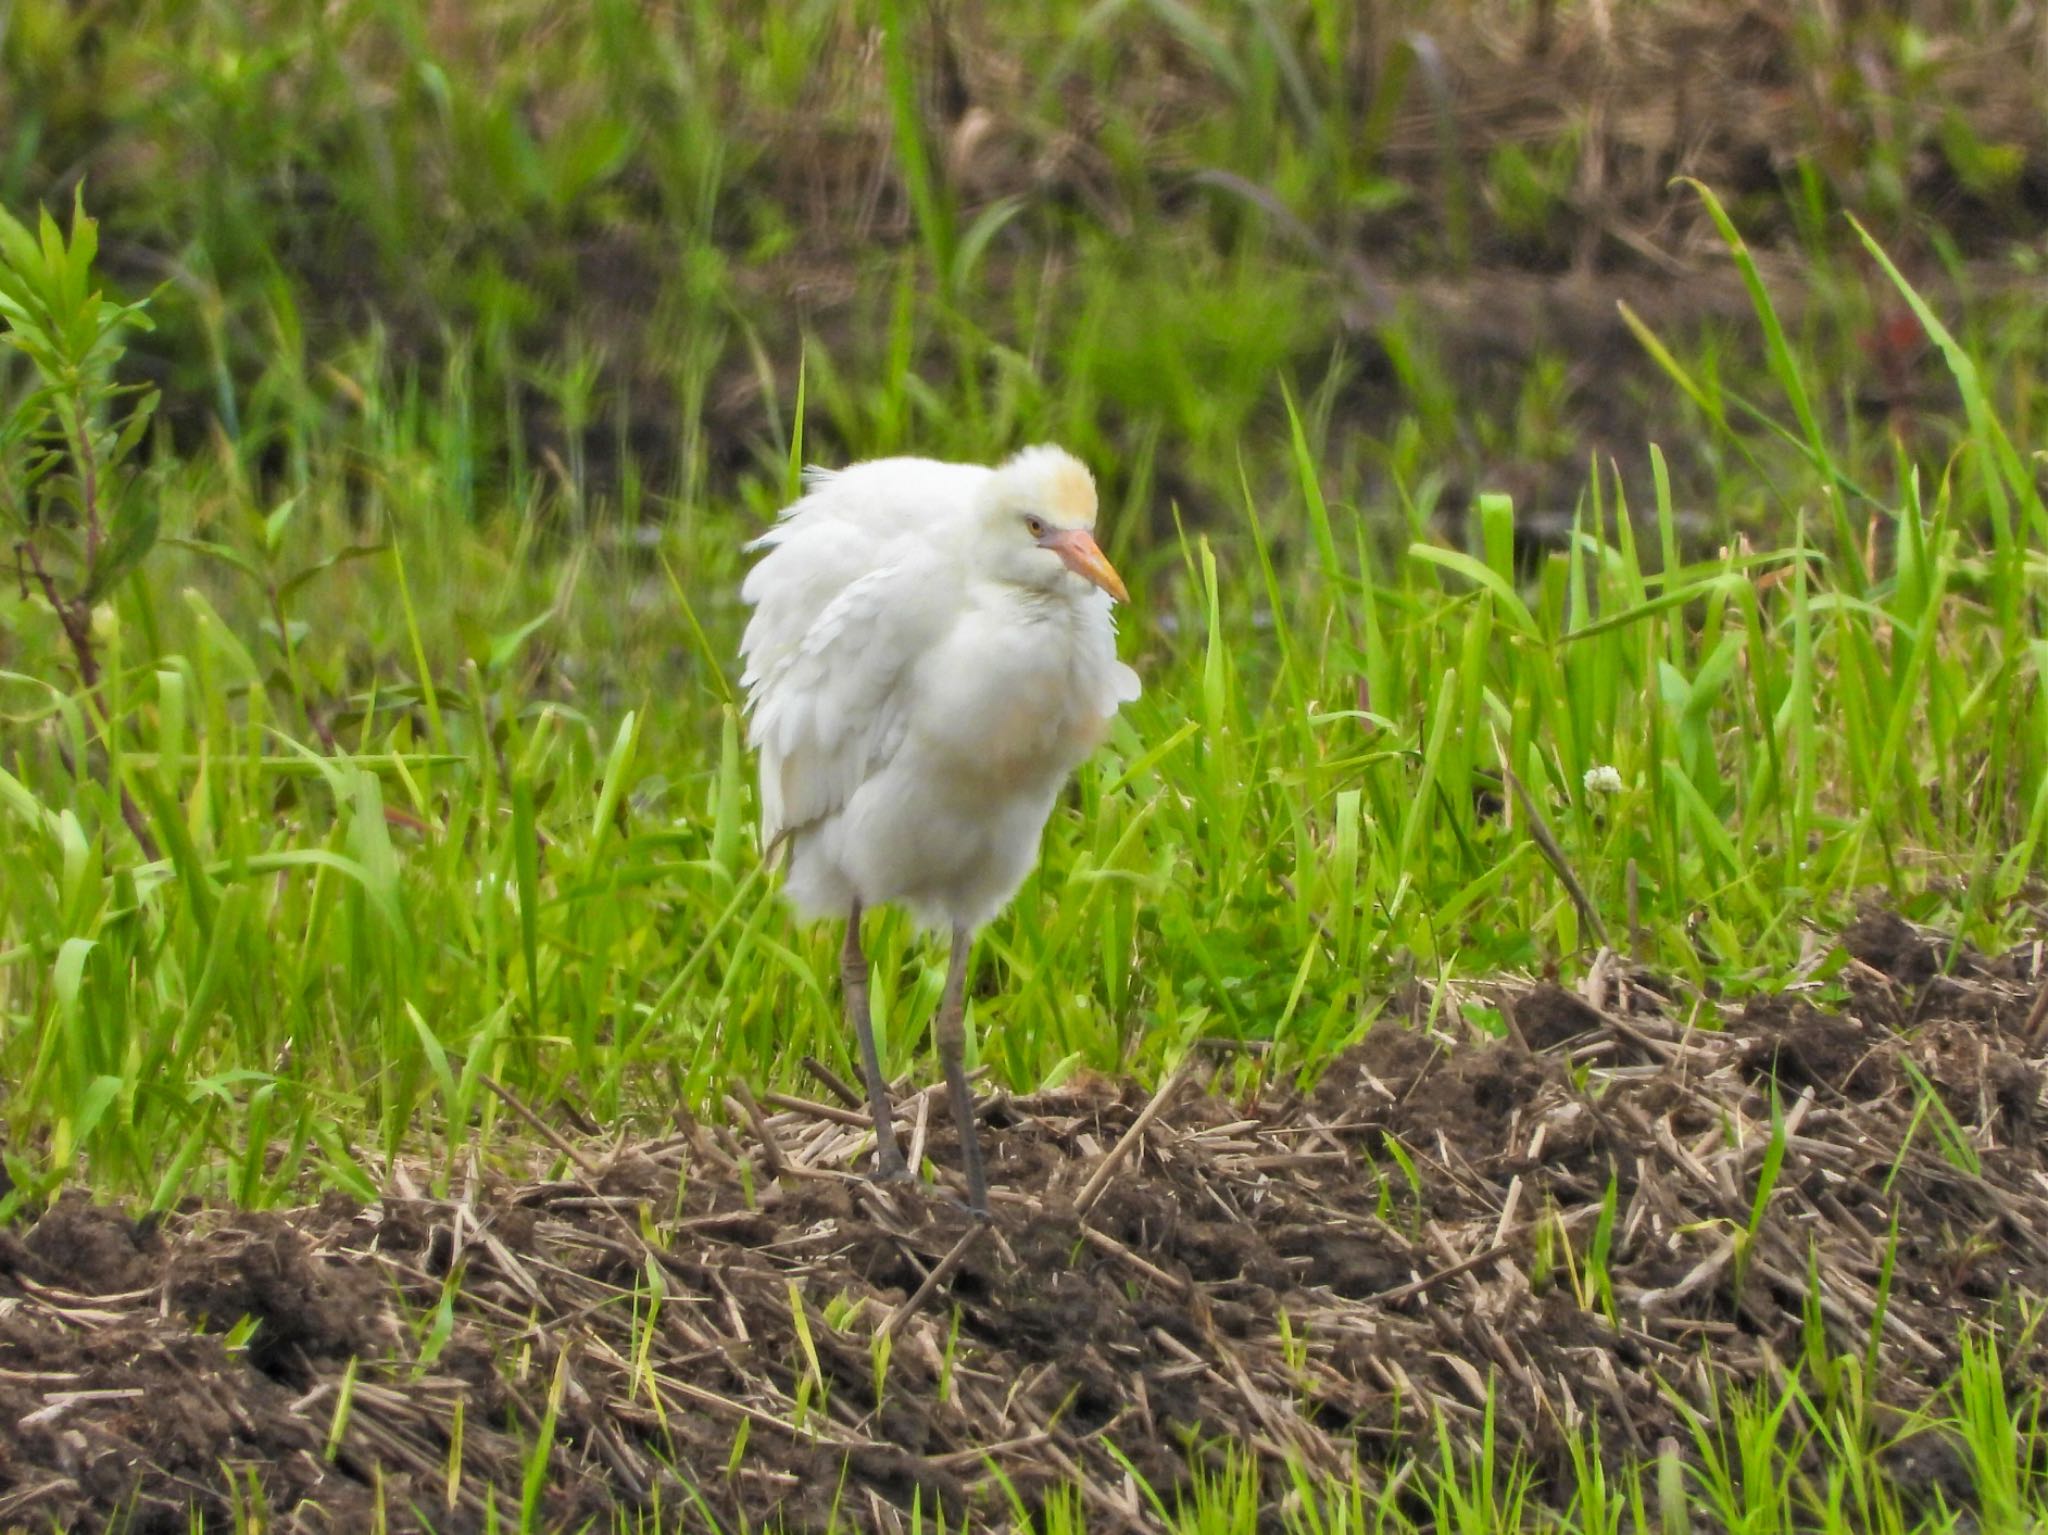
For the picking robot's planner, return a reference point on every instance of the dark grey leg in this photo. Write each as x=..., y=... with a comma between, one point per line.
x=853, y=981
x=949, y=1030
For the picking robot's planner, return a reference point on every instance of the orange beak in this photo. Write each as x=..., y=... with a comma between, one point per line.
x=1079, y=552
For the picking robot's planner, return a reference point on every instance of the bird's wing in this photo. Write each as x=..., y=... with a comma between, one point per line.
x=840, y=618
x=848, y=523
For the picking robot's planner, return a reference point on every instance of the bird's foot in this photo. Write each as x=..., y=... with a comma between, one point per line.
x=978, y=1212
x=891, y=1168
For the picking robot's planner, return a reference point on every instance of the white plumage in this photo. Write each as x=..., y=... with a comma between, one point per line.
x=915, y=705
x=931, y=654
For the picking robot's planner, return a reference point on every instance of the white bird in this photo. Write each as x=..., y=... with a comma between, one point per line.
x=931, y=654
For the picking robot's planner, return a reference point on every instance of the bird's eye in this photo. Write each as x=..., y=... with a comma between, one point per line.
x=1035, y=526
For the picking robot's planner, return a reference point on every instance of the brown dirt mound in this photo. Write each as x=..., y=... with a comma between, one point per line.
x=1421, y=1219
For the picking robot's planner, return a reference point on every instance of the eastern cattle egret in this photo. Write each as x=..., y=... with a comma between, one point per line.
x=931, y=653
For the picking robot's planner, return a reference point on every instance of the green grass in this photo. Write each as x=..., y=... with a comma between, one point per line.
x=420, y=802
x=414, y=627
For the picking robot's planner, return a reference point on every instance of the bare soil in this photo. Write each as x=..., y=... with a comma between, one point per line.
x=1126, y=1300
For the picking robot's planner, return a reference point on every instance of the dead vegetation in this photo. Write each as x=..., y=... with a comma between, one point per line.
x=655, y=1303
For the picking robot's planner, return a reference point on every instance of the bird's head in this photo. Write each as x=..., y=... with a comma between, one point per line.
x=1037, y=523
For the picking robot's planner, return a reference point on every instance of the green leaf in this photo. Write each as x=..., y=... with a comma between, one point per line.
x=275, y=524
x=298, y=579
x=92, y=1108
x=526, y=875
x=51, y=241
x=2008, y=469
x=613, y=785
x=989, y=223
x=68, y=978
x=437, y=1061
x=214, y=551
x=505, y=646
x=216, y=634
x=139, y=417
x=1511, y=605
x=131, y=537
x=18, y=250
x=15, y=794
x=1784, y=365
x=85, y=241
x=1202, y=40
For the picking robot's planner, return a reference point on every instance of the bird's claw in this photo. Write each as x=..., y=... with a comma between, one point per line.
x=898, y=1173
x=891, y=1169
x=978, y=1213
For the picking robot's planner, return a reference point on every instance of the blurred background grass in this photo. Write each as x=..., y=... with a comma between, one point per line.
x=524, y=301
x=592, y=242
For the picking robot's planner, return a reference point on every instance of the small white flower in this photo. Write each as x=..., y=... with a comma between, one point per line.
x=1603, y=780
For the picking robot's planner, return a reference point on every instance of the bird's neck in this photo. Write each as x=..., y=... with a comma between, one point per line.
x=1051, y=606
